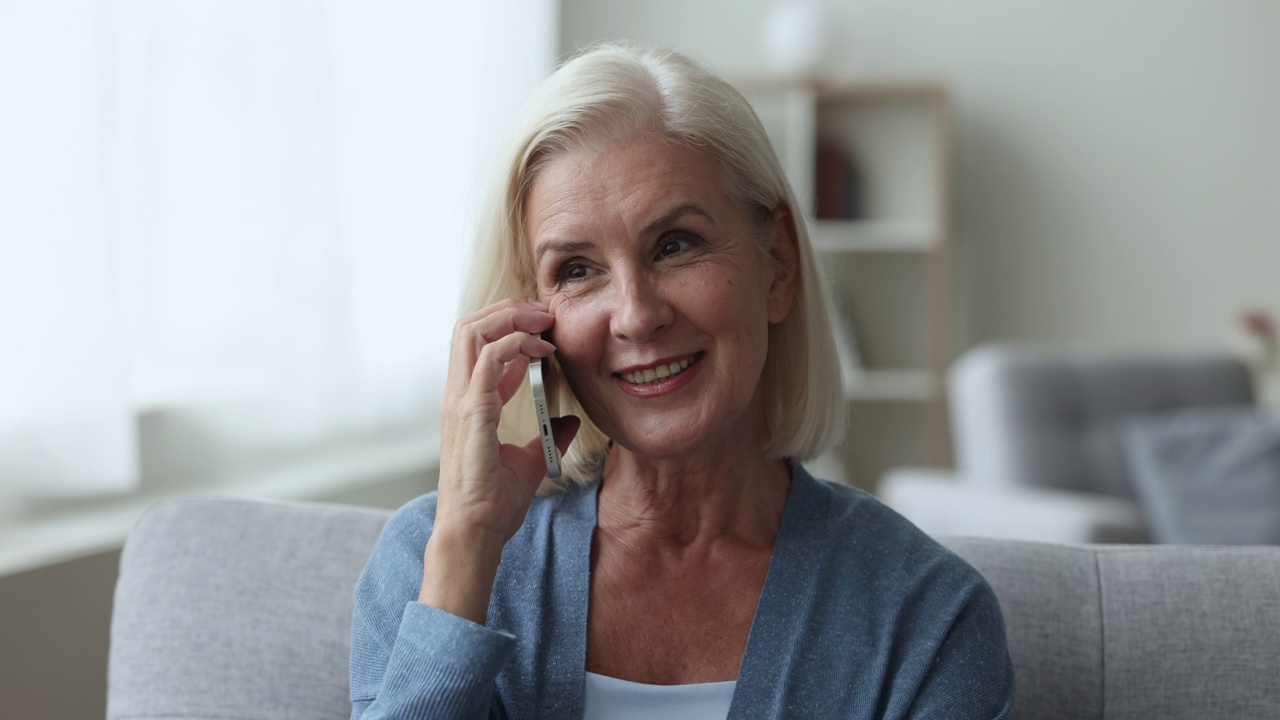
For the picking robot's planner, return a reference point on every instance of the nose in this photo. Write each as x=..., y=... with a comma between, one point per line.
x=641, y=309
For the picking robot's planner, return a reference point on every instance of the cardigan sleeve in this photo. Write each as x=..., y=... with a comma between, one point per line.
x=971, y=675
x=410, y=660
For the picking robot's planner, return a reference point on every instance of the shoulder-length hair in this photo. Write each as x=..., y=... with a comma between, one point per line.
x=608, y=91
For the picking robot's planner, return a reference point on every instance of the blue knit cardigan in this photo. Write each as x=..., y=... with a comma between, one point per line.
x=861, y=616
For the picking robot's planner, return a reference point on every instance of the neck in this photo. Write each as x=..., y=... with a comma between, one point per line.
x=665, y=504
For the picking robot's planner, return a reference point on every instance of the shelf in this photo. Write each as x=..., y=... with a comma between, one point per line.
x=879, y=149
x=33, y=542
x=852, y=236
x=889, y=386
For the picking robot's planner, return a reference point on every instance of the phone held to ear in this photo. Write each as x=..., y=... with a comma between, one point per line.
x=538, y=381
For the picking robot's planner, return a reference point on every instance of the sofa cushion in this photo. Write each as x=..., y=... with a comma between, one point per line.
x=237, y=609
x=1207, y=476
x=1115, y=632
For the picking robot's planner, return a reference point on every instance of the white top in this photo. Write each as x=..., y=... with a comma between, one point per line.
x=609, y=698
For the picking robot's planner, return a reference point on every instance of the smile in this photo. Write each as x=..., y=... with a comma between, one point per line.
x=661, y=372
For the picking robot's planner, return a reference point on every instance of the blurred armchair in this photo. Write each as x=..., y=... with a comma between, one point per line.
x=1038, y=446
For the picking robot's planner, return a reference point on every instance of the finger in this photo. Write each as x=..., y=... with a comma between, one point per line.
x=499, y=306
x=477, y=330
x=526, y=463
x=493, y=360
x=497, y=325
x=490, y=324
x=512, y=378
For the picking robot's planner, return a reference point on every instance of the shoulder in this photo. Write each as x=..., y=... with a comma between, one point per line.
x=392, y=575
x=558, y=522
x=412, y=522
x=404, y=537
x=868, y=545
x=397, y=556
x=856, y=522
x=926, y=606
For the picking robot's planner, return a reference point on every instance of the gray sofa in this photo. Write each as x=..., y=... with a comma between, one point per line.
x=238, y=609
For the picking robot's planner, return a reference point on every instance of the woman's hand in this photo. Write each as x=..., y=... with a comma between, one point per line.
x=485, y=486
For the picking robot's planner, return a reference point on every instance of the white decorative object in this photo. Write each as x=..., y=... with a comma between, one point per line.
x=1257, y=343
x=796, y=36
x=1256, y=340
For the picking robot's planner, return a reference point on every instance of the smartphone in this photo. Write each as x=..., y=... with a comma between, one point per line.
x=538, y=381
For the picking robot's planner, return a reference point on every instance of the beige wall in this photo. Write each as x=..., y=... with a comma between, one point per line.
x=54, y=639
x=1118, y=161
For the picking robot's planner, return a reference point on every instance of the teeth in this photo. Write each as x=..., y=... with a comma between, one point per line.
x=661, y=372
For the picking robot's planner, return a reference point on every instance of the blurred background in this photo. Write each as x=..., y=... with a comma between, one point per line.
x=232, y=234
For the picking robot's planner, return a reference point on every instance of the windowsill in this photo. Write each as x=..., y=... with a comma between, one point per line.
x=28, y=543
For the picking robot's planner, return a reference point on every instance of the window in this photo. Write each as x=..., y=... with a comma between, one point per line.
x=238, y=227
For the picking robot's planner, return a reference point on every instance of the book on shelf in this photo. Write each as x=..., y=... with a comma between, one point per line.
x=836, y=187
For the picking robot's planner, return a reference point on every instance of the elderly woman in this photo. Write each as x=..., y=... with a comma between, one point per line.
x=642, y=234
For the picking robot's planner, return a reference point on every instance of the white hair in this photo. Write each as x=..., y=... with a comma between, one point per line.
x=609, y=91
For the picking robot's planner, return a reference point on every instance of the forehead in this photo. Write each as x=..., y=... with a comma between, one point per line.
x=627, y=181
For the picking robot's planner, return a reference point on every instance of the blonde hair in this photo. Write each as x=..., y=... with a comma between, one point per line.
x=611, y=90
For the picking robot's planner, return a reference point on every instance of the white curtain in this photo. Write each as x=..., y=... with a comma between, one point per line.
x=243, y=221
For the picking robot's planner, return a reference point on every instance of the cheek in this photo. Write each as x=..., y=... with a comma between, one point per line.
x=728, y=301
x=576, y=332
x=733, y=309
x=579, y=336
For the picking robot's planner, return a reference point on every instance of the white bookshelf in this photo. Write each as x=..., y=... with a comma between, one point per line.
x=870, y=236
x=914, y=386
x=888, y=266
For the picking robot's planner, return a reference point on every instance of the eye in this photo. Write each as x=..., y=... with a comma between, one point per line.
x=675, y=243
x=572, y=270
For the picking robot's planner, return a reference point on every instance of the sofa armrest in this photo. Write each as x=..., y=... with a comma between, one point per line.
x=939, y=503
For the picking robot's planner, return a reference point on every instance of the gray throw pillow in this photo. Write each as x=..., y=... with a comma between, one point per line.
x=1207, y=476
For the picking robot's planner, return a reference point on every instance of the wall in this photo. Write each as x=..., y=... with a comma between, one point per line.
x=1117, y=161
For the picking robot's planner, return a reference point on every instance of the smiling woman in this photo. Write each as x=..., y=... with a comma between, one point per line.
x=692, y=289
x=608, y=103
x=642, y=234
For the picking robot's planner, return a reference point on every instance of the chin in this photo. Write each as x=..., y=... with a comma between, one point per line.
x=667, y=445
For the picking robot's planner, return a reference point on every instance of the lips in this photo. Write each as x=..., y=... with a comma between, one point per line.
x=661, y=371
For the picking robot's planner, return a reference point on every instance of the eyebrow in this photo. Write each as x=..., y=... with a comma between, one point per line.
x=574, y=246
x=675, y=215
x=564, y=246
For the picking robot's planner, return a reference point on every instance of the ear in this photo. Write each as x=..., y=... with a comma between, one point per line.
x=786, y=261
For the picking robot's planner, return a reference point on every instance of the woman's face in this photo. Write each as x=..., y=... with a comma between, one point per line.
x=661, y=296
